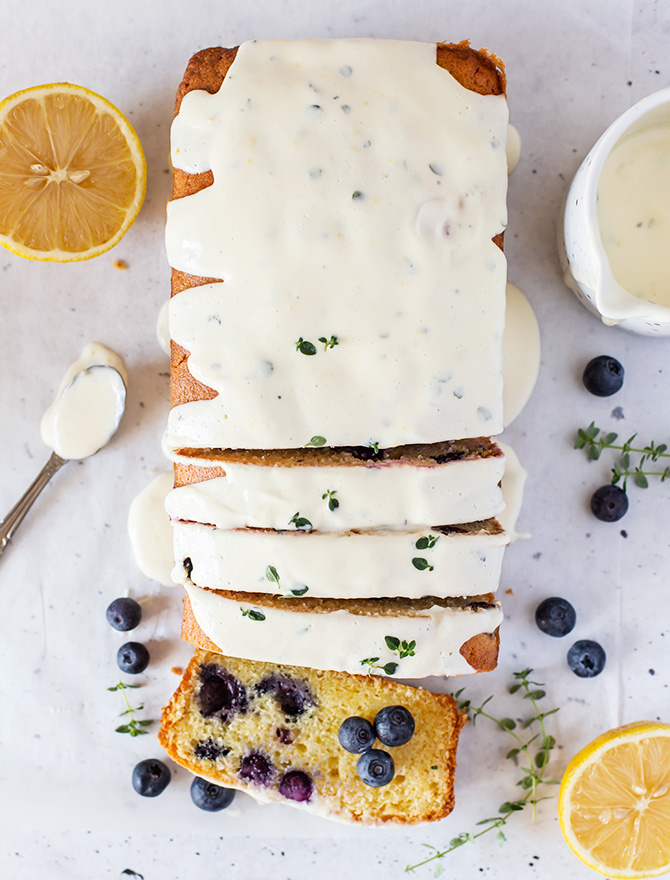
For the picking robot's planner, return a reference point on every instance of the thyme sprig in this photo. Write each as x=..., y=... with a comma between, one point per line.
x=404, y=649
x=272, y=575
x=596, y=441
x=252, y=614
x=330, y=494
x=300, y=522
x=536, y=760
x=135, y=726
x=373, y=663
x=329, y=343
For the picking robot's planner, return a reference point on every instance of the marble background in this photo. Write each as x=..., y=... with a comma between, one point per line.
x=66, y=806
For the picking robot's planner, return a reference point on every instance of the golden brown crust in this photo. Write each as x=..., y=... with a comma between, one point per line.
x=480, y=71
x=481, y=651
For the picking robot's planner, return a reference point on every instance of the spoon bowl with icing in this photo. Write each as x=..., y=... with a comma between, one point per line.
x=614, y=240
x=82, y=419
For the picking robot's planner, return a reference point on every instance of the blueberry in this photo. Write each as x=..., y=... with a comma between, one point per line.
x=296, y=786
x=124, y=614
x=586, y=658
x=603, y=376
x=255, y=767
x=376, y=768
x=293, y=696
x=555, y=617
x=356, y=734
x=221, y=693
x=209, y=750
x=609, y=503
x=150, y=777
x=210, y=797
x=285, y=736
x=132, y=658
x=394, y=725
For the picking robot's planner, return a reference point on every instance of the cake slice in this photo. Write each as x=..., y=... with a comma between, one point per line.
x=340, y=489
x=407, y=638
x=272, y=731
x=443, y=561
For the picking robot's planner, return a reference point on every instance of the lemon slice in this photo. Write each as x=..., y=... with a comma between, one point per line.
x=72, y=173
x=614, y=802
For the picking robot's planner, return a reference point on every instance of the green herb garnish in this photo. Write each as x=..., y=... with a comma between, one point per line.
x=372, y=662
x=374, y=445
x=316, y=441
x=422, y=564
x=426, y=543
x=595, y=441
x=330, y=494
x=536, y=760
x=252, y=614
x=305, y=347
x=436, y=169
x=357, y=194
x=272, y=575
x=404, y=649
x=134, y=727
x=329, y=343
x=300, y=522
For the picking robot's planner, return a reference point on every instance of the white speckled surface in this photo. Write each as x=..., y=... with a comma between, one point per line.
x=66, y=806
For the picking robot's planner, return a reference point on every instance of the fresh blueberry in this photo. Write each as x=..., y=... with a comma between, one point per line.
x=221, y=693
x=255, y=767
x=124, y=614
x=293, y=696
x=394, y=725
x=356, y=734
x=376, y=768
x=150, y=777
x=210, y=797
x=209, y=750
x=586, y=658
x=132, y=658
x=285, y=736
x=609, y=503
x=296, y=786
x=555, y=617
x=603, y=376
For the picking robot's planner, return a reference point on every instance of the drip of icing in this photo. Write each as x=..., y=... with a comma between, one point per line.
x=88, y=406
x=521, y=353
x=162, y=327
x=513, y=147
x=150, y=530
x=512, y=487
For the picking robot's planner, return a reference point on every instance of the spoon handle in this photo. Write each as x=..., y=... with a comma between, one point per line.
x=15, y=516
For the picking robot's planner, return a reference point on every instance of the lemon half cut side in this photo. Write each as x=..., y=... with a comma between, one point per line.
x=72, y=173
x=614, y=802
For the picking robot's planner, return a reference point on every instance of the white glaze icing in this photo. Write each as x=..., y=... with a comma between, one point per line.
x=418, y=313
x=341, y=565
x=163, y=327
x=382, y=496
x=150, y=530
x=521, y=353
x=512, y=487
x=634, y=214
x=513, y=147
x=88, y=405
x=340, y=639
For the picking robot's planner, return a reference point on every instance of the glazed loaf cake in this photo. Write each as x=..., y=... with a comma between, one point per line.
x=272, y=731
x=337, y=268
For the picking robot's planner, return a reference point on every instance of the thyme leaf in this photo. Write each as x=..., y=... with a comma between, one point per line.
x=304, y=346
x=330, y=494
x=300, y=522
x=252, y=614
x=135, y=726
x=316, y=441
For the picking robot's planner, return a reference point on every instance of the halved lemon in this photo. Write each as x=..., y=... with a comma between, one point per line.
x=614, y=802
x=72, y=173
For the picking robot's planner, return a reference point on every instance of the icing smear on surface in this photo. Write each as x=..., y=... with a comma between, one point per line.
x=150, y=530
x=368, y=266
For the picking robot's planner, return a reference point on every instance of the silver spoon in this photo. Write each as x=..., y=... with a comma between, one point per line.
x=15, y=517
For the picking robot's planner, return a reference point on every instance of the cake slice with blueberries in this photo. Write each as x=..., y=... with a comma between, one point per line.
x=349, y=747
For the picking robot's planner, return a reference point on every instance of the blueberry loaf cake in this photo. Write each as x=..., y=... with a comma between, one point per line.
x=350, y=747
